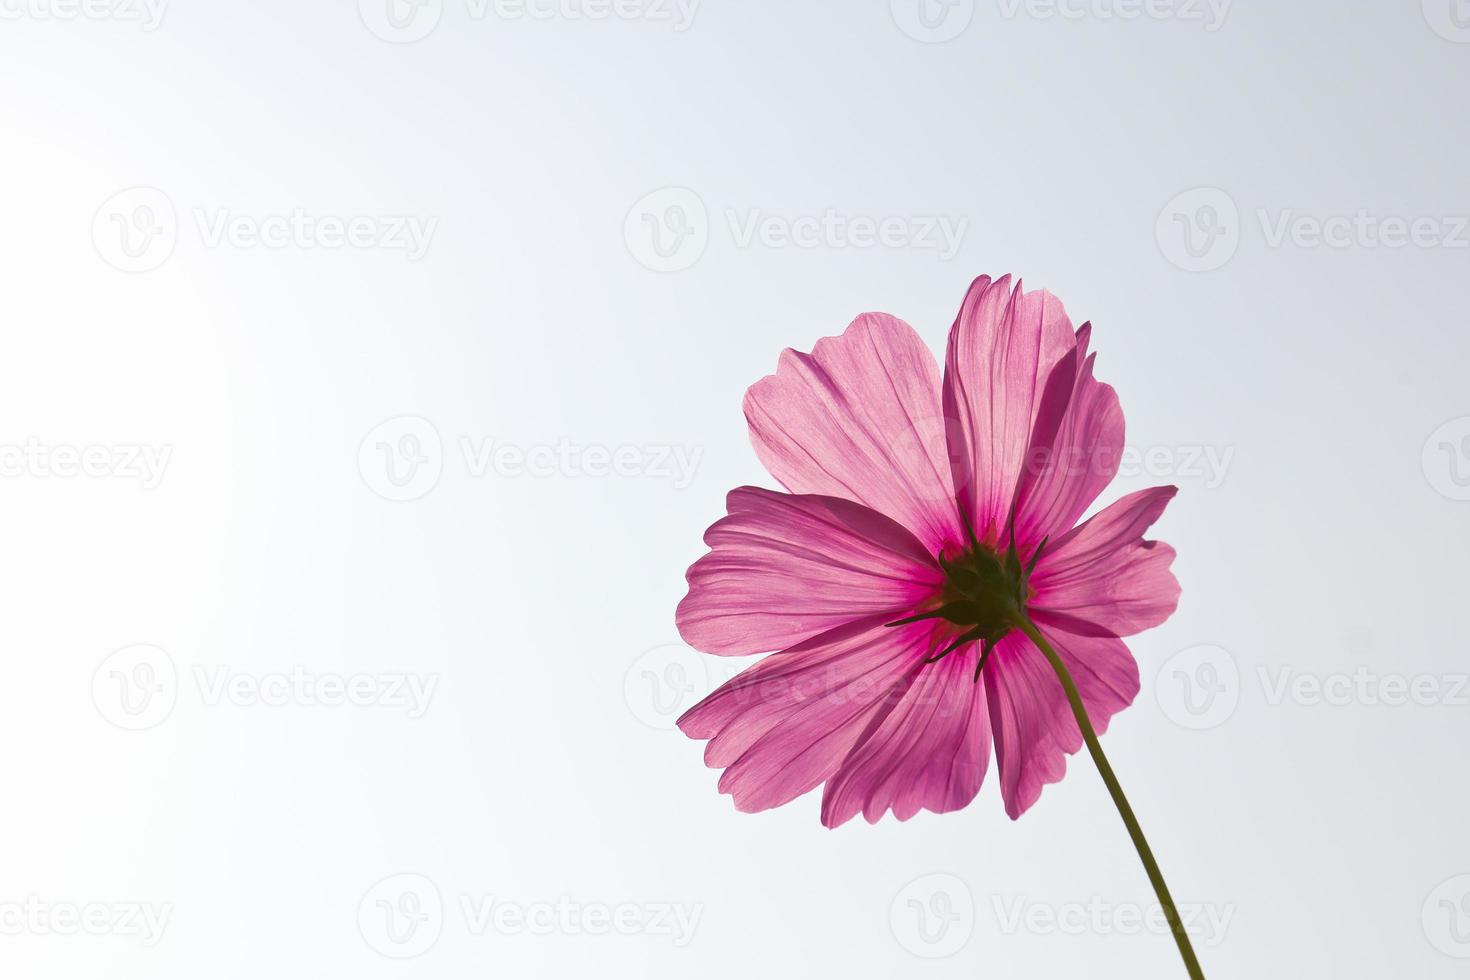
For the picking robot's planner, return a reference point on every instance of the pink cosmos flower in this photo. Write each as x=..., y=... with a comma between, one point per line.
x=931, y=526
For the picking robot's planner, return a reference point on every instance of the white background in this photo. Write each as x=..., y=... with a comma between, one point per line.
x=280, y=382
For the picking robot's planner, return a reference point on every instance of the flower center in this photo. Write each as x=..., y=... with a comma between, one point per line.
x=982, y=591
x=985, y=592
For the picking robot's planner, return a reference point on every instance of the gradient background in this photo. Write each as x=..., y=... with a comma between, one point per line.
x=1123, y=162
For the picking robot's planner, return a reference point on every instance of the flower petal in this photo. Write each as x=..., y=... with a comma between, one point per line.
x=783, y=568
x=930, y=752
x=1002, y=348
x=1033, y=724
x=859, y=418
x=1075, y=448
x=784, y=726
x=1104, y=573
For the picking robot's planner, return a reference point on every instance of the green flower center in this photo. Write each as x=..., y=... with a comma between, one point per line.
x=985, y=592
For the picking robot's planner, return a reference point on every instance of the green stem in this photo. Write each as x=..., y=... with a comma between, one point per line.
x=1155, y=876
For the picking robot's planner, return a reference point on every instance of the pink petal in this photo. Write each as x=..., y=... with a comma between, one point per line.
x=1104, y=573
x=859, y=418
x=783, y=568
x=1002, y=348
x=782, y=727
x=1034, y=726
x=930, y=752
x=1075, y=448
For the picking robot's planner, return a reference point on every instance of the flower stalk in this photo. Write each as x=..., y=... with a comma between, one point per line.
x=1155, y=876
